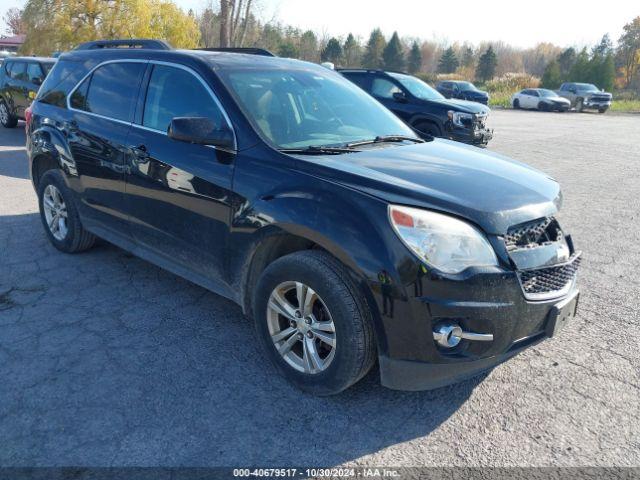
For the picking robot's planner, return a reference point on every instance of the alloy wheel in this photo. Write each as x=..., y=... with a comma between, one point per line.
x=301, y=327
x=55, y=212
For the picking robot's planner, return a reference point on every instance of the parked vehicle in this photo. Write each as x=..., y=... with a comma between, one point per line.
x=285, y=188
x=540, y=99
x=20, y=78
x=423, y=107
x=585, y=96
x=463, y=91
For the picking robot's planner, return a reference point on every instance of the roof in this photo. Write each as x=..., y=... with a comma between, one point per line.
x=31, y=59
x=214, y=59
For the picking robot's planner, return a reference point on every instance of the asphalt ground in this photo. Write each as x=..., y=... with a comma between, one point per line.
x=106, y=360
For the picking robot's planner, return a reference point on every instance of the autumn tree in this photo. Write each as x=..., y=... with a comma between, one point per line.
x=52, y=25
x=235, y=16
x=414, y=63
x=629, y=50
x=14, y=22
x=448, y=61
x=374, y=50
x=393, y=56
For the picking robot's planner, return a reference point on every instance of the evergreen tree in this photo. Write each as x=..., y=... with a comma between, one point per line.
x=351, y=51
x=467, y=57
x=288, y=50
x=332, y=52
x=448, y=61
x=565, y=61
x=487, y=65
x=581, y=68
x=415, y=58
x=393, y=55
x=374, y=50
x=552, y=77
x=309, y=46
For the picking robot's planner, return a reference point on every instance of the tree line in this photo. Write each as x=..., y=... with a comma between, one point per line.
x=51, y=26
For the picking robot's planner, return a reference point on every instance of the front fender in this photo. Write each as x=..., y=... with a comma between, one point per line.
x=351, y=226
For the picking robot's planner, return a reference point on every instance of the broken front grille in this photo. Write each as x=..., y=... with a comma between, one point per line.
x=550, y=281
x=532, y=234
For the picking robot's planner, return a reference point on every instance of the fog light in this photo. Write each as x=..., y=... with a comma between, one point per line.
x=448, y=335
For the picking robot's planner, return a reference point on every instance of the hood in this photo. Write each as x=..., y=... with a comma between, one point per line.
x=462, y=106
x=488, y=189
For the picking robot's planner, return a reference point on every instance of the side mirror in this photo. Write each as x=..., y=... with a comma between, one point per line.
x=200, y=130
x=399, y=97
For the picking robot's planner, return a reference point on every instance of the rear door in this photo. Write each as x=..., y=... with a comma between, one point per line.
x=17, y=86
x=179, y=194
x=103, y=106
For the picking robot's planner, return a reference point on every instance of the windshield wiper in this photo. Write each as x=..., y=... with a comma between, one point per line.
x=385, y=139
x=319, y=150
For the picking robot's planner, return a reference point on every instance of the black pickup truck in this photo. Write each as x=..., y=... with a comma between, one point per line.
x=424, y=108
x=20, y=79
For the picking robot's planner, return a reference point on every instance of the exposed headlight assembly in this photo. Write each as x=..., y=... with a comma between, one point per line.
x=459, y=117
x=446, y=243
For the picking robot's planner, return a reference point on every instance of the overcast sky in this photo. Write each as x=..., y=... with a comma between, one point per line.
x=524, y=24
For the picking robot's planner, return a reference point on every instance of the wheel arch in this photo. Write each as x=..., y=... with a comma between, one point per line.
x=49, y=150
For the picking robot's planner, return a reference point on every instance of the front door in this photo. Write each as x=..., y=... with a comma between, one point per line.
x=179, y=194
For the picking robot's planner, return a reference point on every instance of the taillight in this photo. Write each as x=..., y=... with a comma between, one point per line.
x=27, y=118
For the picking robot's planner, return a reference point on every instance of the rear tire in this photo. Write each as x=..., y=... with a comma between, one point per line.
x=336, y=309
x=7, y=119
x=59, y=215
x=579, y=105
x=602, y=110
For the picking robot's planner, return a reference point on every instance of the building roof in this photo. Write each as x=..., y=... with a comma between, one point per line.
x=16, y=40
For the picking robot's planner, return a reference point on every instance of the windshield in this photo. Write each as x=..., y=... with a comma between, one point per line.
x=547, y=93
x=587, y=87
x=417, y=87
x=467, y=86
x=310, y=108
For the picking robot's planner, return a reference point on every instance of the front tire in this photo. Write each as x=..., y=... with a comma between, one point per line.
x=59, y=215
x=313, y=323
x=579, y=105
x=516, y=104
x=602, y=110
x=543, y=107
x=7, y=119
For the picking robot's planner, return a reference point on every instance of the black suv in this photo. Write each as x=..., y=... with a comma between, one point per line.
x=287, y=189
x=423, y=108
x=20, y=78
x=463, y=91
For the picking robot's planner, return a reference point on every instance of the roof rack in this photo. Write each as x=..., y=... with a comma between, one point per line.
x=247, y=50
x=126, y=43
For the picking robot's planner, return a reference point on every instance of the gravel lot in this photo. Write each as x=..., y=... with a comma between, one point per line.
x=108, y=360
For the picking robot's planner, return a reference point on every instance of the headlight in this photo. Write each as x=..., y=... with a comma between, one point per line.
x=444, y=242
x=461, y=119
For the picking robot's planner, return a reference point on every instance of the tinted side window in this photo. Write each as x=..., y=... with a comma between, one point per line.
x=113, y=90
x=19, y=71
x=34, y=72
x=360, y=79
x=384, y=88
x=174, y=92
x=64, y=76
x=79, y=97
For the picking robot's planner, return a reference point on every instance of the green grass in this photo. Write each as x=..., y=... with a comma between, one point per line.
x=500, y=99
x=625, y=106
